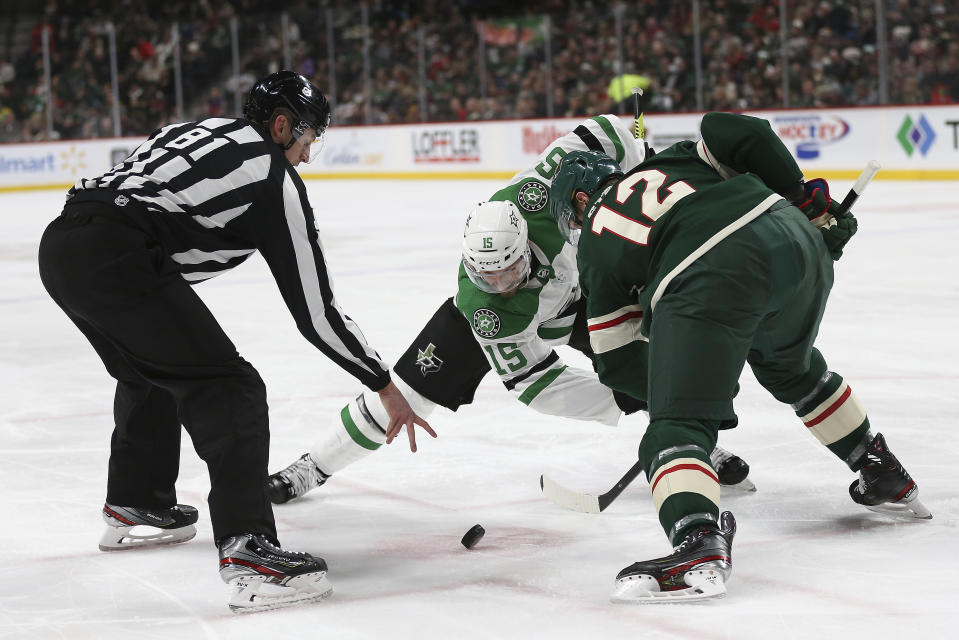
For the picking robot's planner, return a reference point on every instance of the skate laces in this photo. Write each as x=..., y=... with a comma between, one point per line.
x=882, y=478
x=237, y=552
x=880, y=462
x=696, y=536
x=302, y=475
x=263, y=541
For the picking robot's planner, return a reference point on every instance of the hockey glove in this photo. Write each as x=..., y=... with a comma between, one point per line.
x=837, y=233
x=823, y=212
x=816, y=203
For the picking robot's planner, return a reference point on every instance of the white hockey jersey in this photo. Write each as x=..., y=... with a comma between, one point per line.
x=518, y=333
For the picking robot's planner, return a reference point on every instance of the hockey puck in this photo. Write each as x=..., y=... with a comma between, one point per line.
x=474, y=535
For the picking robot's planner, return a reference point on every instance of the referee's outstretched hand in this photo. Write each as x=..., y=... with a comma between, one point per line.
x=401, y=415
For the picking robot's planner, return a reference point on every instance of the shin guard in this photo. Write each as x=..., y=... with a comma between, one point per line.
x=360, y=429
x=833, y=414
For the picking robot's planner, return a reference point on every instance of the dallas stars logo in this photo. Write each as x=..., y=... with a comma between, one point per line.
x=533, y=196
x=427, y=361
x=486, y=323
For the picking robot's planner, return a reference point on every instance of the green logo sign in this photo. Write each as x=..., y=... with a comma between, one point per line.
x=916, y=135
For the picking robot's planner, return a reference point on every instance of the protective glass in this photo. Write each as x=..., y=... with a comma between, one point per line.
x=503, y=280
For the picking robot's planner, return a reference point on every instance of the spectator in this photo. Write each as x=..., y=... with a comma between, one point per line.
x=835, y=43
x=9, y=129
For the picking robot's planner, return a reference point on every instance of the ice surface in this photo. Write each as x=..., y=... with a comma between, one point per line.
x=808, y=562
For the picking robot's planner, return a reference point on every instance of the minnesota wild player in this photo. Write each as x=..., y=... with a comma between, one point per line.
x=694, y=263
x=518, y=297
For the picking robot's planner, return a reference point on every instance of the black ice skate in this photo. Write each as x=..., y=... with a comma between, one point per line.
x=696, y=570
x=296, y=480
x=884, y=486
x=731, y=470
x=153, y=526
x=264, y=576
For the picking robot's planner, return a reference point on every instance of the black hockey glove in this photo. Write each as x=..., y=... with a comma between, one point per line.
x=837, y=229
x=628, y=403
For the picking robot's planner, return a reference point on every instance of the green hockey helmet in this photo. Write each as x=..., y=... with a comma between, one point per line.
x=578, y=171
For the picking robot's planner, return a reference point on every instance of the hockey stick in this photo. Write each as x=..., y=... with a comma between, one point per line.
x=639, y=130
x=860, y=185
x=585, y=502
x=588, y=503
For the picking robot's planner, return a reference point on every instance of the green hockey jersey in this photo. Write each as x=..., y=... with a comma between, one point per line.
x=518, y=333
x=642, y=230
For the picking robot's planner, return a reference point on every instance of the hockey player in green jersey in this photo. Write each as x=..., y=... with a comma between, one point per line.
x=697, y=261
x=518, y=297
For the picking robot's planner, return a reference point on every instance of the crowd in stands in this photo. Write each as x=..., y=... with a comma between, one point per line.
x=426, y=55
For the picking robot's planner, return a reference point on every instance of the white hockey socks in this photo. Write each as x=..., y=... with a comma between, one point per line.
x=360, y=429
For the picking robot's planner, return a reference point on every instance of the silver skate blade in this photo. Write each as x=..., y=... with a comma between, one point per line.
x=704, y=584
x=132, y=537
x=746, y=486
x=261, y=593
x=910, y=510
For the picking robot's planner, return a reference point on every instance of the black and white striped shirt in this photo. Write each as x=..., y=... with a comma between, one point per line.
x=216, y=191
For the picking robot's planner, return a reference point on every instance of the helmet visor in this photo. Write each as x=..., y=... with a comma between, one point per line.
x=569, y=225
x=306, y=136
x=502, y=280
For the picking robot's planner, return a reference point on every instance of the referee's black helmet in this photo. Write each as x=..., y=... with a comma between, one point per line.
x=291, y=91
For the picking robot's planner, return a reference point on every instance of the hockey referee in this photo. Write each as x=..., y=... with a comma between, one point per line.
x=193, y=201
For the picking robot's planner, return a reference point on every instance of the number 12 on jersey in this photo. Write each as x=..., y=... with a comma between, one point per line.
x=651, y=206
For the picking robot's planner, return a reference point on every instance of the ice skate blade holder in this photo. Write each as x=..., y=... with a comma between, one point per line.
x=141, y=536
x=743, y=486
x=910, y=509
x=254, y=593
x=704, y=585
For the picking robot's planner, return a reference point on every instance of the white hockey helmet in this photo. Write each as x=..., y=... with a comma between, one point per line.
x=495, y=249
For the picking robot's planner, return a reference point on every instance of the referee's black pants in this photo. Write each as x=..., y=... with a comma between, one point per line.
x=173, y=365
